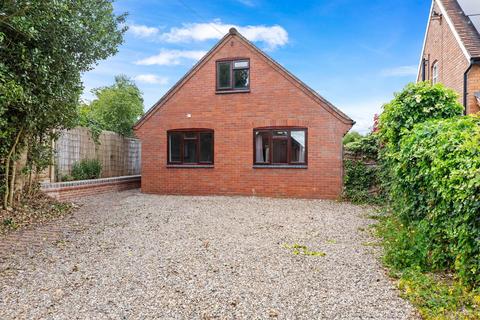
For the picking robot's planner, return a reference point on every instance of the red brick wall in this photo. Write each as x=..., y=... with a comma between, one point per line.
x=79, y=191
x=273, y=100
x=442, y=46
x=473, y=86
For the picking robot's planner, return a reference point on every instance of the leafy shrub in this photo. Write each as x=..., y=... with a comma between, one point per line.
x=67, y=177
x=405, y=244
x=362, y=174
x=417, y=103
x=365, y=147
x=351, y=136
x=361, y=182
x=86, y=169
x=436, y=193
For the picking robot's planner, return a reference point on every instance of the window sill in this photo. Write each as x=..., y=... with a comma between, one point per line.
x=186, y=166
x=232, y=91
x=280, y=166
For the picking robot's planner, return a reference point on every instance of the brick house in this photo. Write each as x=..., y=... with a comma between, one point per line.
x=238, y=123
x=451, y=49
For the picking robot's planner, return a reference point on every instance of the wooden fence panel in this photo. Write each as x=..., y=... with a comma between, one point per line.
x=119, y=156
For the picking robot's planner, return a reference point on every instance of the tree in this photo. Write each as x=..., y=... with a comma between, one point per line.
x=351, y=137
x=116, y=108
x=44, y=48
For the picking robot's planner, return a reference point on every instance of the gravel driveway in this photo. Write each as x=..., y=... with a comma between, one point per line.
x=176, y=257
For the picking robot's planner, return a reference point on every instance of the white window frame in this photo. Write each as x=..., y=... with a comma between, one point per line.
x=435, y=73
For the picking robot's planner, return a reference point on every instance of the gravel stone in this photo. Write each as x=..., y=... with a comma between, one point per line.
x=180, y=257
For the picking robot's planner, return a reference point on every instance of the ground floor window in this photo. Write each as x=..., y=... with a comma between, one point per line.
x=190, y=146
x=280, y=146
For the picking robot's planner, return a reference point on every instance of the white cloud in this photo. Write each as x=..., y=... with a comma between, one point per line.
x=152, y=79
x=272, y=36
x=402, y=71
x=143, y=31
x=168, y=57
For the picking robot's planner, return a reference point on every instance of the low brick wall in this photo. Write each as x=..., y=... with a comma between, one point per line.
x=72, y=190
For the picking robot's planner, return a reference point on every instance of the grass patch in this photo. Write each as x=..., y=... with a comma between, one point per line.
x=436, y=295
x=298, y=249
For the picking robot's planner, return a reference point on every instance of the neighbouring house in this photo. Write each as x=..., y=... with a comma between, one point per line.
x=451, y=49
x=238, y=123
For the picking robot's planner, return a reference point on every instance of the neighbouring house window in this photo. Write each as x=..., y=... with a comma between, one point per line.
x=233, y=75
x=435, y=73
x=188, y=147
x=279, y=146
x=424, y=67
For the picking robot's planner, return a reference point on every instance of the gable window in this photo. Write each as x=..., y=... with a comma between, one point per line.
x=435, y=73
x=280, y=146
x=190, y=146
x=233, y=75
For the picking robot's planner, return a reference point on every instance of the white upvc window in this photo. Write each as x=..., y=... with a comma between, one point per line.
x=435, y=73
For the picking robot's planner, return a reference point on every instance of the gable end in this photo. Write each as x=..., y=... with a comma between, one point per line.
x=275, y=65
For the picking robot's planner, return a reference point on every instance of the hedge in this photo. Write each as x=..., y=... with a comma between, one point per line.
x=435, y=192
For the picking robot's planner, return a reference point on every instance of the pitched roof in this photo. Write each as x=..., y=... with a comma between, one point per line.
x=234, y=33
x=463, y=15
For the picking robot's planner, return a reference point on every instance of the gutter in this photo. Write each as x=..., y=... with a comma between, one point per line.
x=473, y=61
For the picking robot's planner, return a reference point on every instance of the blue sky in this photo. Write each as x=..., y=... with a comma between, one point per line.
x=355, y=53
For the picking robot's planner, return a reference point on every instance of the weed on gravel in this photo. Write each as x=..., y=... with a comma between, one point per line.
x=298, y=249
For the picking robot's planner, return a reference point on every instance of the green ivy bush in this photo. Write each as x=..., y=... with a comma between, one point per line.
x=436, y=193
x=363, y=148
x=430, y=170
x=416, y=103
x=86, y=169
x=361, y=182
x=362, y=174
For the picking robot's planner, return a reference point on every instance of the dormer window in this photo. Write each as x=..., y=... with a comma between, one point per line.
x=233, y=75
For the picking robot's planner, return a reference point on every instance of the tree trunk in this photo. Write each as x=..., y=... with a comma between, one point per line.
x=6, y=181
x=7, y=170
x=12, y=183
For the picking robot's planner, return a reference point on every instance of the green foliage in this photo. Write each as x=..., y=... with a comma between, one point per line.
x=116, y=108
x=87, y=119
x=87, y=169
x=417, y=103
x=361, y=182
x=437, y=296
x=365, y=147
x=436, y=183
x=362, y=174
x=44, y=48
x=405, y=244
x=431, y=163
x=351, y=136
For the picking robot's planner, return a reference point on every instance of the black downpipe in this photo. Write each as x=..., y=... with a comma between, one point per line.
x=424, y=73
x=473, y=61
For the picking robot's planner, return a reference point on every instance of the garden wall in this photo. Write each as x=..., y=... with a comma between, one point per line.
x=72, y=190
